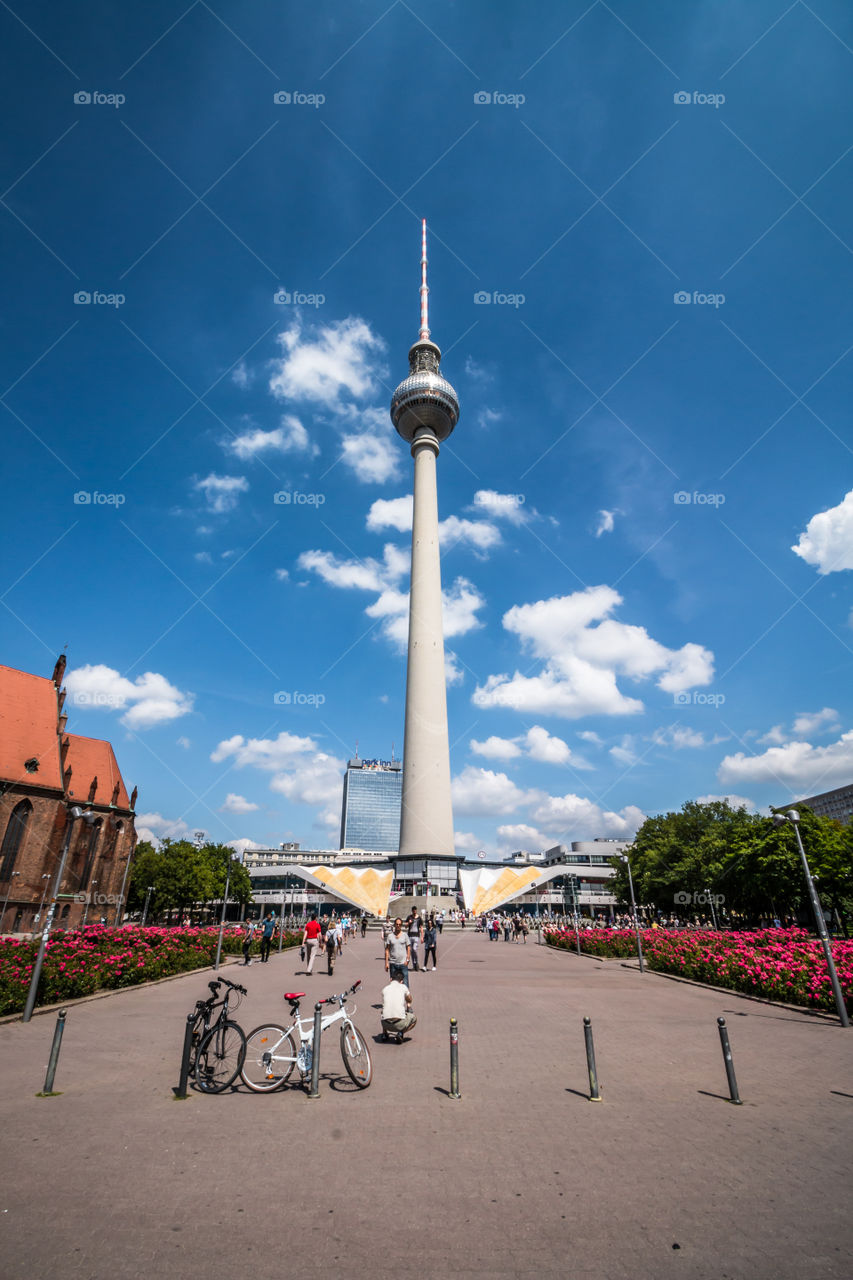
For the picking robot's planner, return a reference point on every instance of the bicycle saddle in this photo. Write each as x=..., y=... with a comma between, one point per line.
x=293, y=995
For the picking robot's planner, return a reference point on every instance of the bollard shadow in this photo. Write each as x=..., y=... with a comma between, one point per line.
x=839, y=1094
x=721, y=1097
x=807, y=1018
x=579, y=1094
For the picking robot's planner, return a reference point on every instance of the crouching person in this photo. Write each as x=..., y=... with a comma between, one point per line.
x=397, y=1016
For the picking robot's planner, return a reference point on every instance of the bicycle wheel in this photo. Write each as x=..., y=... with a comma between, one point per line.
x=270, y=1058
x=356, y=1055
x=220, y=1057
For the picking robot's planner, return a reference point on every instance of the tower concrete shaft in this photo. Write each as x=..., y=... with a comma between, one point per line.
x=424, y=410
x=426, y=816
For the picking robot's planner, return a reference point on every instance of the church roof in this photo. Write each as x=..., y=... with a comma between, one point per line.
x=28, y=729
x=93, y=758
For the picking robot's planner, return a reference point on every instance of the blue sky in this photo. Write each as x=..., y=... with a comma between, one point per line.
x=641, y=258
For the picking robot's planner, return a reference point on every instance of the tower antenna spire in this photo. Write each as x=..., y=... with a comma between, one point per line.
x=424, y=333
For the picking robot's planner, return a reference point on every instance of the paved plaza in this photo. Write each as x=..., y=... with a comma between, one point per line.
x=521, y=1177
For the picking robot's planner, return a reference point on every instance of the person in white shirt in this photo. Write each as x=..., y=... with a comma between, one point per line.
x=397, y=1016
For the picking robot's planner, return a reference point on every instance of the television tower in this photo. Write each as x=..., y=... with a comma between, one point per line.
x=424, y=410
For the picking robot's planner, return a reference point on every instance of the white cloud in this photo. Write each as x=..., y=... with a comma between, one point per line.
x=496, y=748
x=734, y=802
x=391, y=513
x=203, y=557
x=466, y=842
x=482, y=791
x=802, y=768
x=241, y=376
x=154, y=827
x=624, y=752
x=604, y=523
x=582, y=661
x=487, y=417
x=572, y=817
x=478, y=534
x=301, y=772
x=372, y=458
x=242, y=845
x=477, y=371
x=237, y=804
x=185, y=743
x=589, y=736
x=146, y=701
x=774, y=737
x=290, y=437
x=827, y=541
x=282, y=575
x=453, y=673
x=520, y=836
x=339, y=358
x=807, y=723
x=678, y=737
x=222, y=493
x=502, y=506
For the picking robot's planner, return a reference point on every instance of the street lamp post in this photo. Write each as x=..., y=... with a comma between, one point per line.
x=713, y=912
x=793, y=817
x=148, y=893
x=627, y=862
x=222, y=918
x=45, y=877
x=89, y=817
x=8, y=891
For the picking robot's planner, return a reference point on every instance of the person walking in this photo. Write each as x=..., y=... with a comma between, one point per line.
x=363, y=925
x=311, y=940
x=397, y=953
x=397, y=1016
x=429, y=944
x=266, y=936
x=248, y=938
x=415, y=933
x=330, y=946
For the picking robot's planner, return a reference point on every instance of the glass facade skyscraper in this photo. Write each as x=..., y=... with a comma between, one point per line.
x=370, y=816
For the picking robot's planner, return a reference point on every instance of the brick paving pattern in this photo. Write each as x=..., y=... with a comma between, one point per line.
x=522, y=1177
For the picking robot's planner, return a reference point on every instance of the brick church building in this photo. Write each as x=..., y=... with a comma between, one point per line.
x=44, y=772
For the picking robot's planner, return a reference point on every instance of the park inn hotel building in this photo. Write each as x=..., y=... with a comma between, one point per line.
x=295, y=880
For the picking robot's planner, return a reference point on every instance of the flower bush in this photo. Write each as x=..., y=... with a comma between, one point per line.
x=779, y=964
x=80, y=963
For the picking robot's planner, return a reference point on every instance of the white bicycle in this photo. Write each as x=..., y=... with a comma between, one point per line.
x=272, y=1052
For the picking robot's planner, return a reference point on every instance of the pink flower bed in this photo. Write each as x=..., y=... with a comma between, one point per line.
x=781, y=964
x=77, y=964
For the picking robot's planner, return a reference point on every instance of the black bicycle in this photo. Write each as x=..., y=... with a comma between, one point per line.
x=219, y=1045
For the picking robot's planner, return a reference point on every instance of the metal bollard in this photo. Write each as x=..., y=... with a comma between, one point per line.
x=734, y=1096
x=181, y=1090
x=454, y=1059
x=47, y=1091
x=594, y=1092
x=314, y=1091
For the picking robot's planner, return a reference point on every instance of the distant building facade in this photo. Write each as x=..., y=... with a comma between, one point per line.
x=370, y=813
x=44, y=771
x=836, y=804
